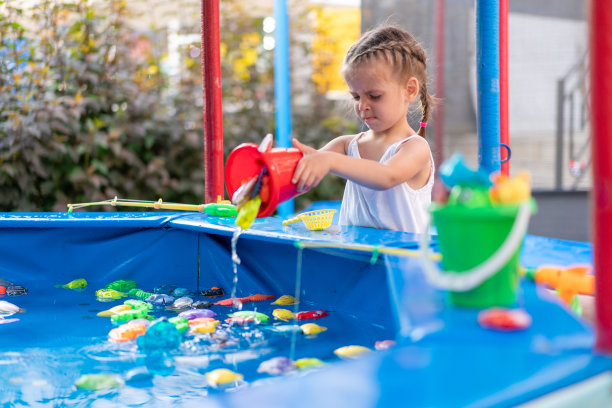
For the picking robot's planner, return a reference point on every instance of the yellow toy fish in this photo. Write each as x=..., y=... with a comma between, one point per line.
x=286, y=300
x=114, y=310
x=222, y=376
x=351, y=351
x=306, y=363
x=283, y=314
x=75, y=284
x=110, y=294
x=312, y=328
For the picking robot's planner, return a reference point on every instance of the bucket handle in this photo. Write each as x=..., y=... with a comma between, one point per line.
x=468, y=280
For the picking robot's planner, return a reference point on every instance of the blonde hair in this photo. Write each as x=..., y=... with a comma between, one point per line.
x=402, y=51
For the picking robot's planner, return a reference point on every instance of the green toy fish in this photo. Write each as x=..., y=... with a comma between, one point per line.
x=109, y=294
x=75, y=284
x=99, y=381
x=122, y=285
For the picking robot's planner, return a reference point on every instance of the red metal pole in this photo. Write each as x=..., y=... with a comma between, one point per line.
x=213, y=114
x=504, y=136
x=601, y=201
x=439, y=112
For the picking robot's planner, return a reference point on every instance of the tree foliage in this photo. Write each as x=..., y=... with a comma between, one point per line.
x=88, y=112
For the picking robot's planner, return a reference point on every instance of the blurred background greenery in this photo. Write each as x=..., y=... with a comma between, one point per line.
x=92, y=108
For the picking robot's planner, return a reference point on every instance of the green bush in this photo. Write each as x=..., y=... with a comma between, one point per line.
x=87, y=112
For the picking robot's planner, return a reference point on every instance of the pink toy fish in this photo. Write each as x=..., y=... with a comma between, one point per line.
x=312, y=314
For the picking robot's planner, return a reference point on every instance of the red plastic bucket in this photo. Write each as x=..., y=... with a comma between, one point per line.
x=246, y=162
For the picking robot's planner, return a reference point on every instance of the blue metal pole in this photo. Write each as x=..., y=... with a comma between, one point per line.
x=487, y=62
x=282, y=89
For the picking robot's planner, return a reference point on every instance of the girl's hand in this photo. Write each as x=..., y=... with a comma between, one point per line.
x=311, y=168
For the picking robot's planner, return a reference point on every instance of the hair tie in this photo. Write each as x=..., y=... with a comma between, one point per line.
x=423, y=124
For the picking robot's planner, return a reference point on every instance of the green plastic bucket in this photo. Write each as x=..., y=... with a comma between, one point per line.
x=468, y=237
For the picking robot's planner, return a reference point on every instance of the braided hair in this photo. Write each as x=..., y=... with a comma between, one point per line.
x=402, y=51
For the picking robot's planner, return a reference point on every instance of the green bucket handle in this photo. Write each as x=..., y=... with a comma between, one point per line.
x=470, y=279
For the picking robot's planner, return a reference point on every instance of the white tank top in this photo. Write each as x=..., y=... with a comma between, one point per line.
x=399, y=208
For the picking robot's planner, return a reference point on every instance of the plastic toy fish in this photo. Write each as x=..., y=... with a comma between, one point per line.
x=283, y=314
x=312, y=314
x=181, y=303
x=122, y=285
x=286, y=300
x=138, y=304
x=202, y=304
x=160, y=336
x=312, y=328
x=248, y=314
x=202, y=320
x=99, y=381
x=204, y=326
x=252, y=298
x=384, y=344
x=501, y=319
x=511, y=190
x=307, y=363
x=9, y=309
x=286, y=328
x=114, y=310
x=2, y=290
x=568, y=281
x=166, y=289
x=109, y=294
x=213, y=292
x=16, y=290
x=127, y=331
x=351, y=351
x=139, y=293
x=276, y=366
x=5, y=321
x=455, y=172
x=180, y=323
x=196, y=313
x=160, y=299
x=127, y=315
x=181, y=292
x=75, y=284
x=222, y=376
x=248, y=212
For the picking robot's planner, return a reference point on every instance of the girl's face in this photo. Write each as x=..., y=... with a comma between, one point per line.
x=381, y=100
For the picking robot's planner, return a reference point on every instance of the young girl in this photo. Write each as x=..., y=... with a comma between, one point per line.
x=389, y=169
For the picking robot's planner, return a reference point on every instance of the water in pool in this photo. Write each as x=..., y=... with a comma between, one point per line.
x=60, y=338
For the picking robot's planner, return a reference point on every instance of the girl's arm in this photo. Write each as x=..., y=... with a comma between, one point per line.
x=411, y=159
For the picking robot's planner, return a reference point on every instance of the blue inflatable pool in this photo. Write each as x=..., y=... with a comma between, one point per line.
x=443, y=358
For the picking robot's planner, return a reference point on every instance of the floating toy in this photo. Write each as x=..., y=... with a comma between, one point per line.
x=276, y=366
x=9, y=309
x=75, y=284
x=214, y=209
x=384, y=344
x=222, y=376
x=283, y=314
x=160, y=299
x=286, y=300
x=166, y=289
x=253, y=298
x=114, y=310
x=181, y=323
x=139, y=293
x=181, y=292
x=196, y=313
x=202, y=304
x=314, y=220
x=312, y=328
x=181, y=303
x=122, y=285
x=203, y=326
x=213, y=292
x=130, y=314
x=454, y=171
x=127, y=331
x=511, y=190
x=5, y=321
x=568, y=281
x=351, y=351
x=96, y=382
x=2, y=290
x=501, y=319
x=252, y=315
x=16, y=290
x=160, y=336
x=312, y=314
x=109, y=294
x=308, y=363
x=201, y=320
x=286, y=328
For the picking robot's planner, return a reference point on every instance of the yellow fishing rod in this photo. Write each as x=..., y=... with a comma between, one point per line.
x=215, y=209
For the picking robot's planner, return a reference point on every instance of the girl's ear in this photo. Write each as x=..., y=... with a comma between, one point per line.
x=412, y=89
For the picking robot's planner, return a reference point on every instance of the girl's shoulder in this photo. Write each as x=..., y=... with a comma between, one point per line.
x=341, y=143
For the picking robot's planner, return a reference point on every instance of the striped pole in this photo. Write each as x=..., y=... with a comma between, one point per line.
x=487, y=62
